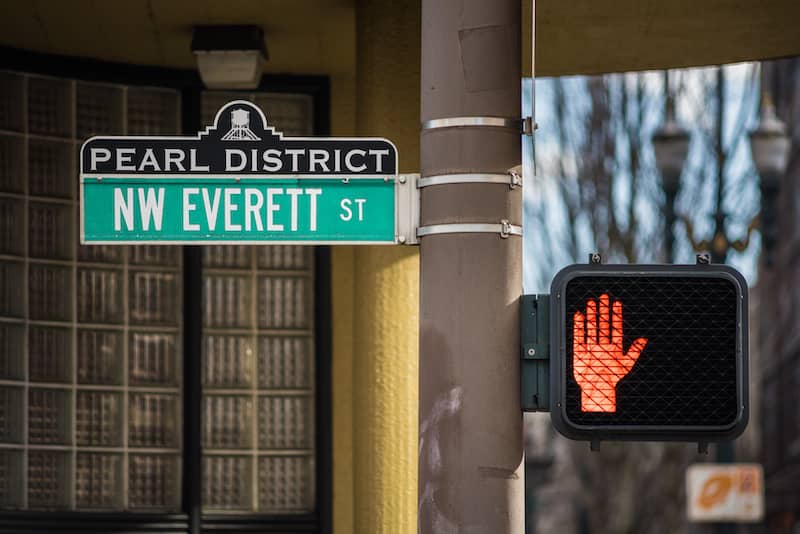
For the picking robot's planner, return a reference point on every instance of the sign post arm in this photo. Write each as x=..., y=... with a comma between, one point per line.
x=407, y=209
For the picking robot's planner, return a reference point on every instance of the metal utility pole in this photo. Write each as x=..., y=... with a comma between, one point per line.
x=719, y=244
x=471, y=459
x=719, y=249
x=672, y=182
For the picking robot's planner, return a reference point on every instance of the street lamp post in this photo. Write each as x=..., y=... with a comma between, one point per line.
x=770, y=146
x=671, y=146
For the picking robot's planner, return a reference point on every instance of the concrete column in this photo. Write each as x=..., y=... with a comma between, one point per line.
x=386, y=283
x=471, y=461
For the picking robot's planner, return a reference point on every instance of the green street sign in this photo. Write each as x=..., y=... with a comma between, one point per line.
x=257, y=210
x=240, y=181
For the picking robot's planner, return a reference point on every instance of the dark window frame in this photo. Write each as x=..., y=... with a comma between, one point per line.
x=191, y=519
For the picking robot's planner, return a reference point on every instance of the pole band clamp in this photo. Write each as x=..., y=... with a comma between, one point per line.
x=504, y=228
x=511, y=178
x=529, y=126
x=471, y=122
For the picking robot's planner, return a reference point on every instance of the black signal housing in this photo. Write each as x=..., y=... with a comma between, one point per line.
x=689, y=382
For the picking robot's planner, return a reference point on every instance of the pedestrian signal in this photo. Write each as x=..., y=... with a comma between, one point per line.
x=649, y=352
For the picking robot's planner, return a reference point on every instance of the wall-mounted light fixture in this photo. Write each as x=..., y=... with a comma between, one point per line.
x=229, y=57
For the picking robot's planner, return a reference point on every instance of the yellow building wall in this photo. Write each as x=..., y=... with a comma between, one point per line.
x=370, y=51
x=376, y=294
x=343, y=124
x=343, y=286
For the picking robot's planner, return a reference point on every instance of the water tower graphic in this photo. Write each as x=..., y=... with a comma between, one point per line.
x=240, y=127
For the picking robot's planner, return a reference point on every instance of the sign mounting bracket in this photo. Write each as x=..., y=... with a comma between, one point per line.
x=534, y=327
x=407, y=208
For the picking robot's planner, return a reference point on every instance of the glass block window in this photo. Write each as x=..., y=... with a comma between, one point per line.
x=258, y=379
x=90, y=336
x=258, y=358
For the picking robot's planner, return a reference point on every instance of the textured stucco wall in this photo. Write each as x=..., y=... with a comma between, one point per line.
x=343, y=124
x=342, y=282
x=386, y=315
x=376, y=293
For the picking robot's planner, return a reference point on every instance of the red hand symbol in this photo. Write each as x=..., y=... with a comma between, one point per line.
x=599, y=362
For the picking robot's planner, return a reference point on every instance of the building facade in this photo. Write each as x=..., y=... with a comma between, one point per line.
x=236, y=389
x=189, y=389
x=779, y=337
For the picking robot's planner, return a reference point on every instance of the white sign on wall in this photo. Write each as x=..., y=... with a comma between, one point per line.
x=725, y=493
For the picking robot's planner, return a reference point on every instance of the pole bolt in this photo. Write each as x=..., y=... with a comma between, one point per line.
x=531, y=352
x=704, y=258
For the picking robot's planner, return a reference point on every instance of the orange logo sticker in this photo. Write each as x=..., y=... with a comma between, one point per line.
x=715, y=491
x=599, y=361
